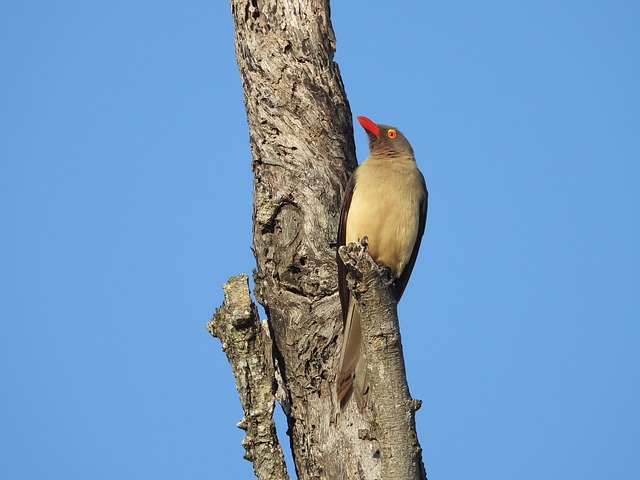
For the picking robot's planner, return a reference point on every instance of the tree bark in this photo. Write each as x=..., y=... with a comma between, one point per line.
x=301, y=138
x=248, y=348
x=392, y=405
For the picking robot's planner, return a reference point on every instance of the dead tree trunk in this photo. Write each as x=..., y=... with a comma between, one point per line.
x=301, y=138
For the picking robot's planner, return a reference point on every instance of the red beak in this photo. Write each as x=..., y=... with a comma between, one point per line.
x=369, y=126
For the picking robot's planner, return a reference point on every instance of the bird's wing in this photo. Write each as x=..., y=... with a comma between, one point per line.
x=401, y=282
x=351, y=334
x=342, y=233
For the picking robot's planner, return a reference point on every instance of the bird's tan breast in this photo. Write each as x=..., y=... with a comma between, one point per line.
x=385, y=207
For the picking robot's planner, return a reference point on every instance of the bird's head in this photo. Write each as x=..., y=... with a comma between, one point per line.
x=386, y=141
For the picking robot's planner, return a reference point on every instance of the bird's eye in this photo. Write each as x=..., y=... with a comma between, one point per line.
x=392, y=133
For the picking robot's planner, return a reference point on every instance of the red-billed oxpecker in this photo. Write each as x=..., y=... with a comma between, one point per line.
x=385, y=201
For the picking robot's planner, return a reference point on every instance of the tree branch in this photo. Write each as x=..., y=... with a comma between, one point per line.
x=392, y=405
x=247, y=345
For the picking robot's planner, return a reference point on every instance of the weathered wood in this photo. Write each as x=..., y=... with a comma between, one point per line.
x=237, y=324
x=392, y=405
x=301, y=139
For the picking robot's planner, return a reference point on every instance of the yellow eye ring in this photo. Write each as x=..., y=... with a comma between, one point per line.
x=392, y=133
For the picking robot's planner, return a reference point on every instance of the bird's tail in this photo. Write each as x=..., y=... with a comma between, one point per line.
x=352, y=373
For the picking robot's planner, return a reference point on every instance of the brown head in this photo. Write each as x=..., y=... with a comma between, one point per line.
x=386, y=141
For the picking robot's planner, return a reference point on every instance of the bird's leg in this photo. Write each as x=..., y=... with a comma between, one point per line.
x=387, y=274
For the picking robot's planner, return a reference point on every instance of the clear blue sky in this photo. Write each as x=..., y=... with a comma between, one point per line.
x=125, y=199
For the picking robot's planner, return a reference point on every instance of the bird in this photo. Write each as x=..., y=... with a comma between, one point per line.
x=385, y=201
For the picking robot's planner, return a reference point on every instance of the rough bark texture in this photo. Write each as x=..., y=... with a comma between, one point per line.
x=248, y=347
x=301, y=138
x=392, y=405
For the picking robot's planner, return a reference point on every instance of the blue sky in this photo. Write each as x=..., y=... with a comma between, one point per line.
x=125, y=198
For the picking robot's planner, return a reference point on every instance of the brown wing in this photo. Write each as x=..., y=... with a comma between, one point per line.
x=351, y=370
x=342, y=232
x=401, y=282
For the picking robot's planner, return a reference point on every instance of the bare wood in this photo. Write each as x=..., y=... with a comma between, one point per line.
x=392, y=405
x=301, y=139
x=237, y=324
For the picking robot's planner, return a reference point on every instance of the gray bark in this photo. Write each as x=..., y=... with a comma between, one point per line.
x=392, y=405
x=248, y=347
x=301, y=138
